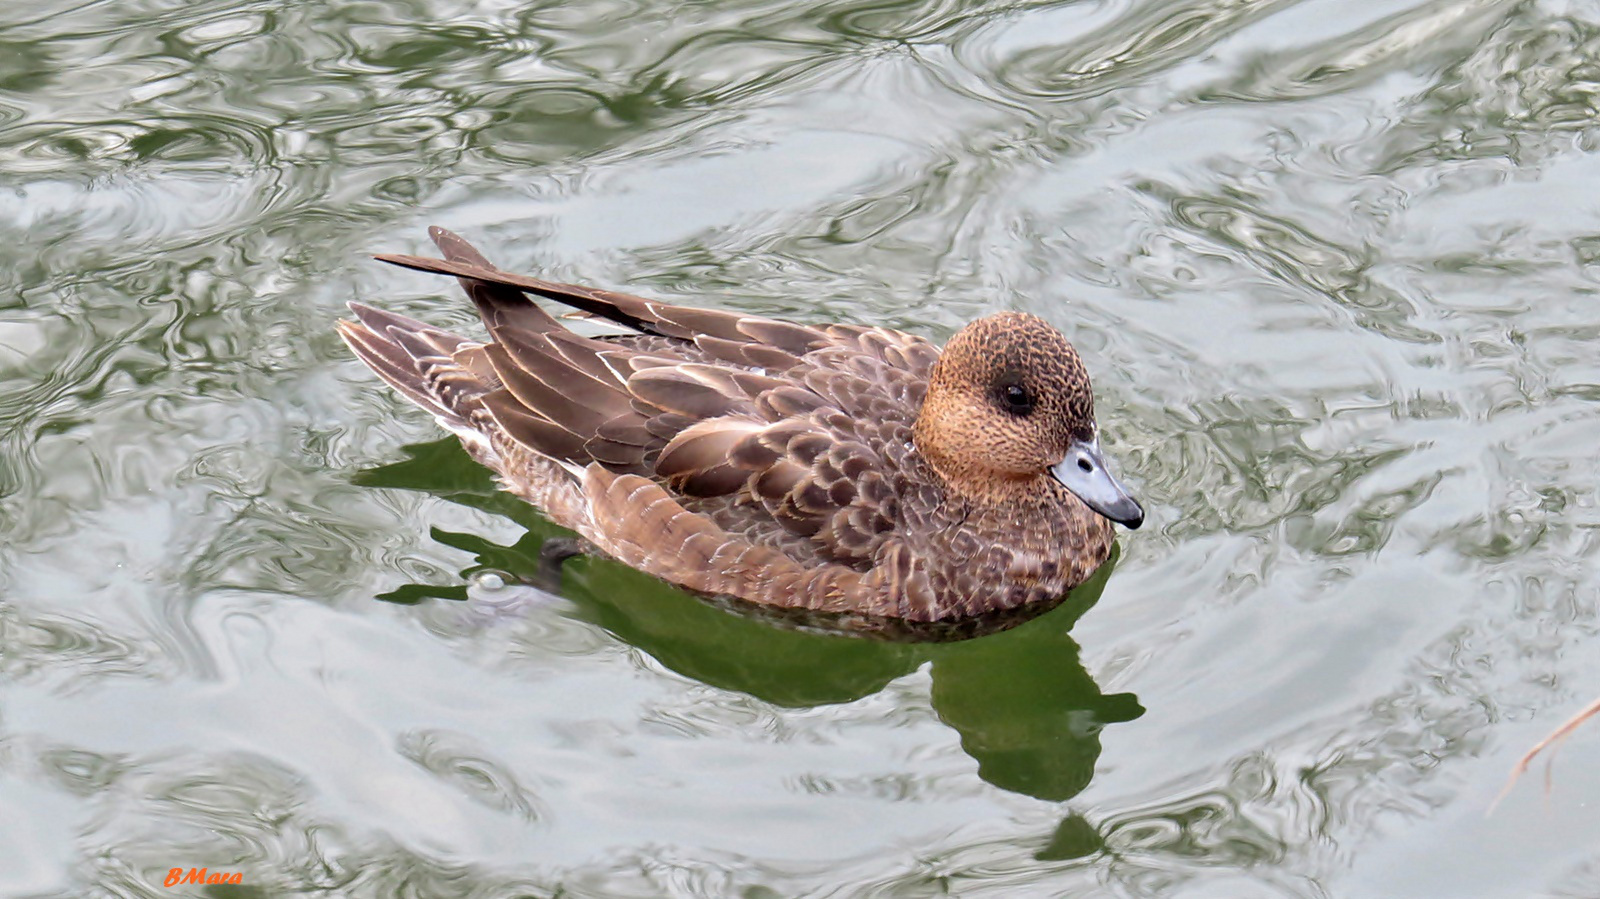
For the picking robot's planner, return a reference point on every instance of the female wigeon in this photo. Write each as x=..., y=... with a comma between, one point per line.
x=831, y=468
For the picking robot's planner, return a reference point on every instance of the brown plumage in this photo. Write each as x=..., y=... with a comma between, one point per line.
x=832, y=468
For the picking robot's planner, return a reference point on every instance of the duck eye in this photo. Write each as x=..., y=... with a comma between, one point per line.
x=1017, y=399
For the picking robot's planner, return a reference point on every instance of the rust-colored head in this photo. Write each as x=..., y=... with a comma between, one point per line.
x=1008, y=406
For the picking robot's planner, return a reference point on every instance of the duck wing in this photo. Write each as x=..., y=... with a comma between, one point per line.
x=803, y=427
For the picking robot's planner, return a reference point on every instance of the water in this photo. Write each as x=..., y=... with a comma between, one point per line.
x=1333, y=267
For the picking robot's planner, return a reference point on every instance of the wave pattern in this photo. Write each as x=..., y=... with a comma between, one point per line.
x=1333, y=268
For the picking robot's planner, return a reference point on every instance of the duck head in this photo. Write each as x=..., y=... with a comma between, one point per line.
x=1009, y=404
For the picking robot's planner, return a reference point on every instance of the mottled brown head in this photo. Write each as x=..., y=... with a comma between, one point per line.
x=1009, y=404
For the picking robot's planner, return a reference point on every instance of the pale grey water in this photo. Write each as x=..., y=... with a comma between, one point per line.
x=1332, y=265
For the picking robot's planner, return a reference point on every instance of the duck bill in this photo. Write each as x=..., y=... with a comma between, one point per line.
x=1084, y=472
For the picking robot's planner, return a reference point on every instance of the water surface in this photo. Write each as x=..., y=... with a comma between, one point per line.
x=1333, y=267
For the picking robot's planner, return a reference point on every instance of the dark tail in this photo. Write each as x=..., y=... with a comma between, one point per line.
x=498, y=305
x=443, y=373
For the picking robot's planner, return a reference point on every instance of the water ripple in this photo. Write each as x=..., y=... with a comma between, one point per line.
x=1325, y=263
x=454, y=760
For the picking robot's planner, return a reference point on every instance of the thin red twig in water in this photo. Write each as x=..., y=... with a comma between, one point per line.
x=1555, y=737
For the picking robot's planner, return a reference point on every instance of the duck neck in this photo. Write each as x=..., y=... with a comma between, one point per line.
x=965, y=476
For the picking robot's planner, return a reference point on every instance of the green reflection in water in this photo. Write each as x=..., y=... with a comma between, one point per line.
x=1026, y=710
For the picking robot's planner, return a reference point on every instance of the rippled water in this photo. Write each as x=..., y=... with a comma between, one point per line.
x=1334, y=267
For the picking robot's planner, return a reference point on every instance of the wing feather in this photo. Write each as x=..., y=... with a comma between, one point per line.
x=788, y=424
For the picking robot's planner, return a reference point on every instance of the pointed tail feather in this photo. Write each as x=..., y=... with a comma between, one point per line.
x=418, y=360
x=629, y=311
x=498, y=305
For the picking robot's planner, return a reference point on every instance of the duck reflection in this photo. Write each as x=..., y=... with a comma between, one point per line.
x=1026, y=710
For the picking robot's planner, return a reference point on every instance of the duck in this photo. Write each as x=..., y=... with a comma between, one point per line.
x=846, y=469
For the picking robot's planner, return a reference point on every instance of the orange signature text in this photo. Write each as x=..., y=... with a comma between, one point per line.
x=199, y=875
